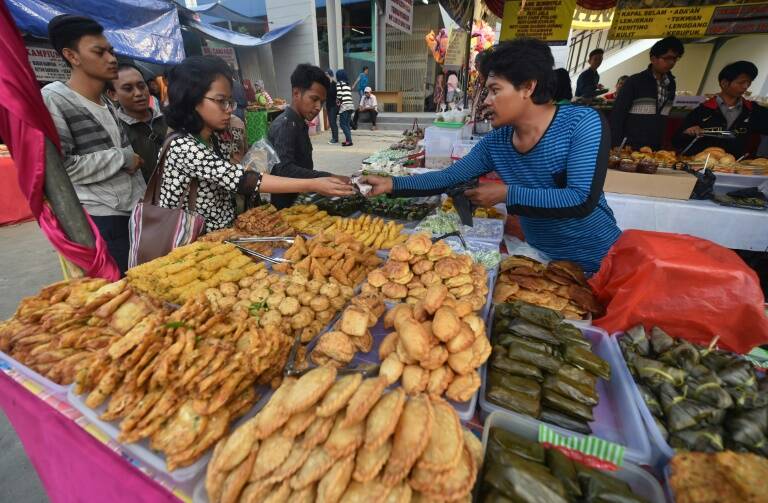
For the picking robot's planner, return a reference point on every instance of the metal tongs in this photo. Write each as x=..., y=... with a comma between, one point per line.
x=366, y=369
x=261, y=256
x=450, y=234
x=723, y=135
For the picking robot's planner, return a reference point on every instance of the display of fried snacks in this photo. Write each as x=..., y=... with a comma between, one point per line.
x=339, y=256
x=189, y=270
x=351, y=333
x=436, y=347
x=559, y=285
x=263, y=221
x=371, y=231
x=421, y=451
x=417, y=264
x=307, y=218
x=65, y=327
x=478, y=213
x=180, y=379
x=722, y=477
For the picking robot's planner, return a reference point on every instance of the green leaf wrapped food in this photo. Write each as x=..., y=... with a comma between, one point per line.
x=522, y=328
x=748, y=428
x=570, y=334
x=660, y=340
x=662, y=428
x=522, y=385
x=570, y=389
x=578, y=375
x=562, y=467
x=655, y=373
x=526, y=449
x=539, y=359
x=684, y=355
x=565, y=405
x=504, y=364
x=585, y=359
x=514, y=401
x=702, y=440
x=513, y=340
x=709, y=392
x=564, y=421
x=637, y=340
x=494, y=496
x=525, y=482
x=738, y=373
x=650, y=400
x=687, y=413
x=541, y=316
x=597, y=486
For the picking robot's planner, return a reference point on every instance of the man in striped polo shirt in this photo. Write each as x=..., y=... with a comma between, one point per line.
x=552, y=160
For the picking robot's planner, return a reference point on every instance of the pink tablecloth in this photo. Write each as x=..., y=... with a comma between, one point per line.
x=73, y=465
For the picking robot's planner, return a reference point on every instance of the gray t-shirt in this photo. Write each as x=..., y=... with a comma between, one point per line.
x=104, y=117
x=730, y=113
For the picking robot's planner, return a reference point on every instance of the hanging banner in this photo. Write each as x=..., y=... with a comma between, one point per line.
x=456, y=54
x=399, y=14
x=692, y=21
x=585, y=19
x=47, y=64
x=225, y=53
x=546, y=20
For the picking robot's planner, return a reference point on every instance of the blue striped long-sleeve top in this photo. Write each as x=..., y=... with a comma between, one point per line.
x=556, y=187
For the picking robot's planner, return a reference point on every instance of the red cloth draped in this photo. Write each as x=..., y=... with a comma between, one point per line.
x=24, y=125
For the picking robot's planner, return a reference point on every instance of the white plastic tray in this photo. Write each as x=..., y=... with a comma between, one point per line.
x=140, y=450
x=642, y=483
x=57, y=390
x=616, y=417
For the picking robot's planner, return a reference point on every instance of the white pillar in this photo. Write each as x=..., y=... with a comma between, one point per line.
x=335, y=41
x=381, y=50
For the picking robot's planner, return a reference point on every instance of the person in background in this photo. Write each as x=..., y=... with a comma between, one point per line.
x=563, y=92
x=361, y=82
x=619, y=85
x=201, y=105
x=438, y=94
x=96, y=151
x=238, y=94
x=145, y=124
x=728, y=110
x=588, y=83
x=368, y=105
x=552, y=160
x=642, y=106
x=452, y=91
x=154, y=93
x=345, y=104
x=332, y=109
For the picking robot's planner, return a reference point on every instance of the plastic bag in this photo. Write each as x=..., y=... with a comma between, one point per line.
x=261, y=157
x=690, y=287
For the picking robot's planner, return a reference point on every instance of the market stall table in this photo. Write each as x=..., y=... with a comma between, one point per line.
x=75, y=460
x=730, y=227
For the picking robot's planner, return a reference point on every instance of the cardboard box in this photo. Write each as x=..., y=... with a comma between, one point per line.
x=666, y=183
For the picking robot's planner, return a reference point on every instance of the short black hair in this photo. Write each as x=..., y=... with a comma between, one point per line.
x=623, y=77
x=595, y=52
x=120, y=68
x=521, y=60
x=365, y=68
x=66, y=30
x=305, y=75
x=187, y=84
x=563, y=89
x=731, y=71
x=667, y=44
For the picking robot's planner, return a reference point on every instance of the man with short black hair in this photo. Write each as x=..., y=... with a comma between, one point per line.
x=97, y=154
x=361, y=82
x=589, y=81
x=289, y=134
x=728, y=110
x=145, y=124
x=643, y=104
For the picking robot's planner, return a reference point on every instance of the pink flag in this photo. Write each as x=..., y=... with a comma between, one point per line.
x=24, y=125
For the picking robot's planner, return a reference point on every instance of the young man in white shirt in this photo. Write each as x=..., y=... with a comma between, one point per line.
x=368, y=105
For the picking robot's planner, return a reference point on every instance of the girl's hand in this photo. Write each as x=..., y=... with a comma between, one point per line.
x=381, y=184
x=332, y=187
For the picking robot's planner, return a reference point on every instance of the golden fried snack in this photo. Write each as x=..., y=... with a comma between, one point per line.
x=369, y=462
x=394, y=313
x=411, y=437
x=373, y=491
x=338, y=395
x=439, y=250
x=388, y=345
x=236, y=480
x=439, y=379
x=418, y=243
x=447, y=486
x=446, y=443
x=298, y=423
x=437, y=356
x=214, y=479
x=344, y=438
x=434, y=297
x=271, y=454
x=309, y=389
x=473, y=445
x=383, y=418
x=336, y=345
x=280, y=493
x=446, y=323
x=414, y=338
x=401, y=493
x=391, y=368
x=463, y=340
x=334, y=483
x=365, y=397
x=306, y=495
x=463, y=387
x=318, y=431
x=414, y=379
x=461, y=362
x=394, y=291
x=400, y=252
x=295, y=460
x=354, y=321
x=313, y=469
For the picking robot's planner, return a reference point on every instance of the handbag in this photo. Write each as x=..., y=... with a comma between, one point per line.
x=154, y=230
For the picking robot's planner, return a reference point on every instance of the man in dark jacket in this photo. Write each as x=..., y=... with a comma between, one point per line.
x=726, y=111
x=588, y=83
x=145, y=125
x=643, y=104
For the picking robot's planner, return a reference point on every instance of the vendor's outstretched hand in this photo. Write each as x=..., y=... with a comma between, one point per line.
x=694, y=131
x=332, y=187
x=487, y=194
x=381, y=184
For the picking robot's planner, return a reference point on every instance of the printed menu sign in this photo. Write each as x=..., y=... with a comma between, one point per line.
x=546, y=20
x=47, y=64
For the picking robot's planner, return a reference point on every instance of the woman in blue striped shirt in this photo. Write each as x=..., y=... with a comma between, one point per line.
x=552, y=159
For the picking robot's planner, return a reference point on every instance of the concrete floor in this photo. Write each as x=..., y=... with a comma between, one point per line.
x=28, y=262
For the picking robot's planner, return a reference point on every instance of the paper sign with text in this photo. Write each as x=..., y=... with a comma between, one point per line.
x=399, y=14
x=547, y=20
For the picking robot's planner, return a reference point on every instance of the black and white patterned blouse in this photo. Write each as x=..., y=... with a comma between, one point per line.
x=218, y=178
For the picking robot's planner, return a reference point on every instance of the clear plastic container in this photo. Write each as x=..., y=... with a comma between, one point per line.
x=616, y=417
x=642, y=483
x=57, y=390
x=140, y=451
x=661, y=451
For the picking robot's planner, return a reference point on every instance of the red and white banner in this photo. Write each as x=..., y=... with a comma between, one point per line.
x=47, y=64
x=225, y=53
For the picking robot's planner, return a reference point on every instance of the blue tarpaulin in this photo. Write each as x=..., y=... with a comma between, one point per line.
x=221, y=11
x=257, y=8
x=239, y=39
x=146, y=30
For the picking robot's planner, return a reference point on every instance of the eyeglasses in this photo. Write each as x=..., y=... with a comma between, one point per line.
x=225, y=105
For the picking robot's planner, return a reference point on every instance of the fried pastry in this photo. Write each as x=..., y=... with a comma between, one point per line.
x=365, y=397
x=391, y=368
x=437, y=356
x=336, y=345
x=313, y=469
x=446, y=323
x=439, y=379
x=309, y=389
x=377, y=278
x=463, y=387
x=317, y=432
x=394, y=291
x=422, y=266
x=295, y=460
x=446, y=443
x=411, y=437
x=450, y=485
x=369, y=462
x=461, y=362
x=439, y=250
x=387, y=345
x=354, y=321
x=334, y=483
x=414, y=379
x=383, y=418
x=413, y=337
x=298, y=423
x=344, y=438
x=373, y=491
x=434, y=297
x=463, y=340
x=400, y=252
x=271, y=454
x=418, y=243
